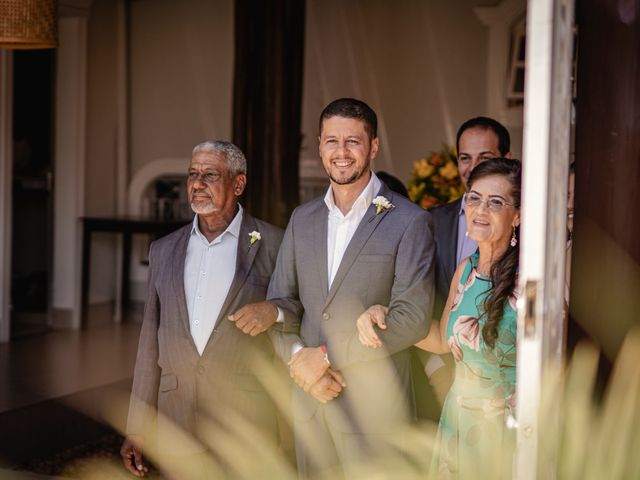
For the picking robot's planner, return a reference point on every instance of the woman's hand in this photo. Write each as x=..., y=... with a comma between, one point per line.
x=374, y=315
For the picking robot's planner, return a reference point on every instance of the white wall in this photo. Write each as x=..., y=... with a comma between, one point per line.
x=70, y=154
x=180, y=72
x=181, y=76
x=100, y=170
x=421, y=64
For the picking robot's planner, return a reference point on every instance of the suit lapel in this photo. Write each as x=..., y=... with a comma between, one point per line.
x=244, y=260
x=453, y=234
x=366, y=227
x=177, y=275
x=320, y=240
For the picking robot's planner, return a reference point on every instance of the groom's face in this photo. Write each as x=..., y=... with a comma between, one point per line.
x=346, y=149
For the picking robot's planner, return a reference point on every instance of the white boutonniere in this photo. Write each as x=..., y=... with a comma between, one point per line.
x=254, y=237
x=382, y=203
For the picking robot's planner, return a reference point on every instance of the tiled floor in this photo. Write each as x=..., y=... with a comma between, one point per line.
x=64, y=389
x=61, y=363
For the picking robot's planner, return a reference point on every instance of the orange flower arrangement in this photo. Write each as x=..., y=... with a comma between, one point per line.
x=435, y=179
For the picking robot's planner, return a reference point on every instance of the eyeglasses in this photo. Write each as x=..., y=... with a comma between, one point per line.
x=494, y=204
x=206, y=177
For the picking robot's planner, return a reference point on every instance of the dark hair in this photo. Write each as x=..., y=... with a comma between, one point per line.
x=393, y=183
x=352, y=108
x=504, y=271
x=486, y=123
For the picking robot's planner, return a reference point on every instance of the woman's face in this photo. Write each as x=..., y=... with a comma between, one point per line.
x=488, y=222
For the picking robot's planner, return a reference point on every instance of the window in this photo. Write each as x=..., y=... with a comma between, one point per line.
x=515, y=81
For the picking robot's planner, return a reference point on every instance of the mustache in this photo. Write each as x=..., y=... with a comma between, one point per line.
x=333, y=159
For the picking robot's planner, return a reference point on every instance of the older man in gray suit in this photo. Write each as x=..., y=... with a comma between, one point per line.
x=357, y=246
x=194, y=370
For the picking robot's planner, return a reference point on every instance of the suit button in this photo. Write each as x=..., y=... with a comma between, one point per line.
x=326, y=316
x=200, y=370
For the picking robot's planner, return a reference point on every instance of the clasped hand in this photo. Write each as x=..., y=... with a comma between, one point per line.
x=373, y=316
x=311, y=371
x=131, y=453
x=255, y=318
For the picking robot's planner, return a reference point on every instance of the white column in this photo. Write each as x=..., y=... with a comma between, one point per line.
x=6, y=164
x=122, y=141
x=70, y=155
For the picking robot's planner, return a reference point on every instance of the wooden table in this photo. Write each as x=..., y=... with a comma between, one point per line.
x=127, y=227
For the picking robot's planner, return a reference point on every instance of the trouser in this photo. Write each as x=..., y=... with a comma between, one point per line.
x=322, y=451
x=193, y=466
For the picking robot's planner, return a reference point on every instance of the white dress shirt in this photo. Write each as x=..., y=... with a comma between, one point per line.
x=340, y=228
x=209, y=269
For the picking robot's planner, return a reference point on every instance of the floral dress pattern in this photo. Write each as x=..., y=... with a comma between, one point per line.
x=473, y=441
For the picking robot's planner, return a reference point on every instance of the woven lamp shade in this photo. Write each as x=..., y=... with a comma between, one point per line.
x=28, y=24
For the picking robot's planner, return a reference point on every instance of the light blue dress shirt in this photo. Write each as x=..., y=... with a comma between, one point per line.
x=209, y=269
x=466, y=245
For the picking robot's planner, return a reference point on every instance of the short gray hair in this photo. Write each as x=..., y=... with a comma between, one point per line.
x=234, y=157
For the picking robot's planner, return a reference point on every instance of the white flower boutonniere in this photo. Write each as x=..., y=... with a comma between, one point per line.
x=254, y=237
x=382, y=203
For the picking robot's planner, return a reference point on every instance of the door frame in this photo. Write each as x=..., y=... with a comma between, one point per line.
x=546, y=149
x=6, y=173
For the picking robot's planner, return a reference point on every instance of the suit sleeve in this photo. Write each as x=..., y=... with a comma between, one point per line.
x=283, y=292
x=283, y=288
x=146, y=378
x=283, y=343
x=411, y=300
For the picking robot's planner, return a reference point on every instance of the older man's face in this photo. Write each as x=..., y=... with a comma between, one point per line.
x=211, y=187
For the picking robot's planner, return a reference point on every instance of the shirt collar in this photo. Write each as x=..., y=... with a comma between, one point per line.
x=364, y=199
x=233, y=228
x=462, y=210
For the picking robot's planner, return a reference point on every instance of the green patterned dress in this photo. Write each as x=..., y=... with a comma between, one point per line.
x=473, y=441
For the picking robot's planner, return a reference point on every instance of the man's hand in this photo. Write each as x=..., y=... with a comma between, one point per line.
x=374, y=315
x=328, y=387
x=308, y=366
x=255, y=318
x=131, y=453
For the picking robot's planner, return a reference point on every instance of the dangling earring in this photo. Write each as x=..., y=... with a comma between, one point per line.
x=466, y=234
x=514, y=240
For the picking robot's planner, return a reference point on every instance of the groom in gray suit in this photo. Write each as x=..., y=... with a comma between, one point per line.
x=357, y=246
x=194, y=371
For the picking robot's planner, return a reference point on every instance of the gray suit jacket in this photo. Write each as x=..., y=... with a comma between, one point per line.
x=170, y=375
x=445, y=225
x=388, y=261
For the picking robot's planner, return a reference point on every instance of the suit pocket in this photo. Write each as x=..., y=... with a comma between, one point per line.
x=168, y=382
x=375, y=258
x=258, y=280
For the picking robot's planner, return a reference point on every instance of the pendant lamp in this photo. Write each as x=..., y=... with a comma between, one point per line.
x=28, y=24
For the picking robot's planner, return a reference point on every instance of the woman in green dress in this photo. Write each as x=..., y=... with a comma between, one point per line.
x=478, y=326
